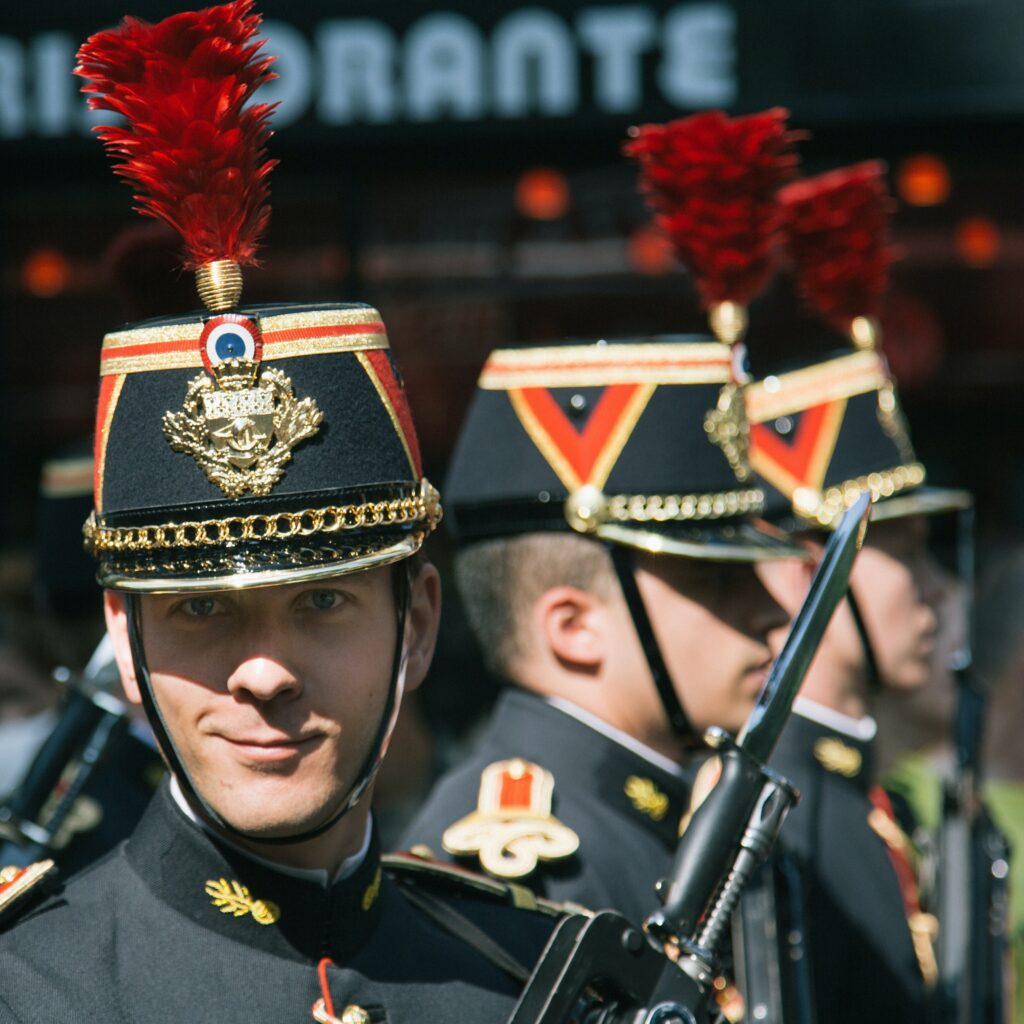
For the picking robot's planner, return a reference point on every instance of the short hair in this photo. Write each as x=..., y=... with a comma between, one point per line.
x=500, y=580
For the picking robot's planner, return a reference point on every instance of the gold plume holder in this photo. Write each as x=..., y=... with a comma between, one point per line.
x=219, y=285
x=865, y=333
x=728, y=321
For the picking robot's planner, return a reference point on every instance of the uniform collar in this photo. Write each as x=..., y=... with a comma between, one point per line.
x=248, y=900
x=320, y=876
x=593, y=761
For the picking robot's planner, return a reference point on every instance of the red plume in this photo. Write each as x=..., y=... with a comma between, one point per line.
x=194, y=153
x=712, y=181
x=837, y=235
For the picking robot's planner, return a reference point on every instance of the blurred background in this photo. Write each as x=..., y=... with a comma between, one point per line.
x=458, y=166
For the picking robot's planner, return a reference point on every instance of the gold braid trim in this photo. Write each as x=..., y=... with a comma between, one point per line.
x=423, y=507
x=587, y=508
x=831, y=503
x=662, y=508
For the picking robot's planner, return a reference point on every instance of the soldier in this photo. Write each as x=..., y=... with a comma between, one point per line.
x=600, y=494
x=259, y=509
x=608, y=572
x=822, y=433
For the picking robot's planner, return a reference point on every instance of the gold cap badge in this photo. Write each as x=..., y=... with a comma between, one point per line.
x=240, y=421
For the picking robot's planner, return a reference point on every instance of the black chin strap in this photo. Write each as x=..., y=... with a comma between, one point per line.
x=874, y=676
x=375, y=755
x=622, y=560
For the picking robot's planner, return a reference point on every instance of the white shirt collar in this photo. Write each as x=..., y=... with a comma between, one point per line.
x=617, y=735
x=862, y=729
x=319, y=875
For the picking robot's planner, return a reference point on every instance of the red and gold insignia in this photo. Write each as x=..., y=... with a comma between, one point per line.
x=16, y=882
x=512, y=828
x=240, y=422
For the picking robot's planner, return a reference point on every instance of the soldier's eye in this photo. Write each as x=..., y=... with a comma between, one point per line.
x=323, y=600
x=200, y=607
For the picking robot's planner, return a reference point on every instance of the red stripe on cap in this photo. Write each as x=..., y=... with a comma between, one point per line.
x=109, y=386
x=381, y=364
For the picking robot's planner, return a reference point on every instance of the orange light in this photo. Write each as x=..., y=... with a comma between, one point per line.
x=924, y=180
x=45, y=273
x=650, y=251
x=977, y=241
x=542, y=193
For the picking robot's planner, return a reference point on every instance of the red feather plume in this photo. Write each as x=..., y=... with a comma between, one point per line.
x=837, y=236
x=193, y=152
x=712, y=181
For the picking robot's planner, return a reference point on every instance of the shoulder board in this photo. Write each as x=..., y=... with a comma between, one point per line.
x=20, y=889
x=419, y=870
x=512, y=829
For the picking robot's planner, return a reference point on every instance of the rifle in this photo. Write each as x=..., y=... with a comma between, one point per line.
x=973, y=858
x=603, y=969
x=92, y=726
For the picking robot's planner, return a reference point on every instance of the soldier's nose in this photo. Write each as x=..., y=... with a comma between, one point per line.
x=263, y=678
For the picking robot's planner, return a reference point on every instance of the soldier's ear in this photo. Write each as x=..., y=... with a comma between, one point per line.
x=421, y=624
x=570, y=621
x=117, y=629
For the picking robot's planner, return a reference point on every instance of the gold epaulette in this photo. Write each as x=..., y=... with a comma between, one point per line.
x=15, y=886
x=422, y=869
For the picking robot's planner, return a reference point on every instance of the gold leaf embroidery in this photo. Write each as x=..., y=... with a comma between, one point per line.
x=235, y=899
x=372, y=891
x=646, y=797
x=835, y=756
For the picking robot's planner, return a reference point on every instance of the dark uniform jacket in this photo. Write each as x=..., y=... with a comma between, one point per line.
x=862, y=958
x=624, y=808
x=175, y=927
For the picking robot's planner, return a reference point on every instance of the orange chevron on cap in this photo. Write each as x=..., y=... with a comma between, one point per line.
x=581, y=457
x=803, y=460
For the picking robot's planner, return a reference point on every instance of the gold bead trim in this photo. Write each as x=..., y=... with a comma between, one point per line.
x=662, y=508
x=283, y=525
x=834, y=501
x=587, y=508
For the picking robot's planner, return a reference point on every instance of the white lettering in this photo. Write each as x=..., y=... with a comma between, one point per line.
x=444, y=69
x=534, y=65
x=292, y=89
x=617, y=36
x=53, y=57
x=358, y=59
x=699, y=65
x=12, y=88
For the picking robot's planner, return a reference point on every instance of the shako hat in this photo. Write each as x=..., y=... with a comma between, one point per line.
x=643, y=441
x=824, y=431
x=237, y=445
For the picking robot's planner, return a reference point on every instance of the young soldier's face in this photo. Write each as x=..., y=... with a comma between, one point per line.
x=273, y=696
x=712, y=622
x=899, y=587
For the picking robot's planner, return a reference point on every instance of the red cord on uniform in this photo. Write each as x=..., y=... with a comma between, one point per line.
x=321, y=970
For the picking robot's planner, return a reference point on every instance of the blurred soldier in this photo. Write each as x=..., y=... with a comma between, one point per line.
x=608, y=571
x=600, y=496
x=83, y=783
x=259, y=509
x=821, y=433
